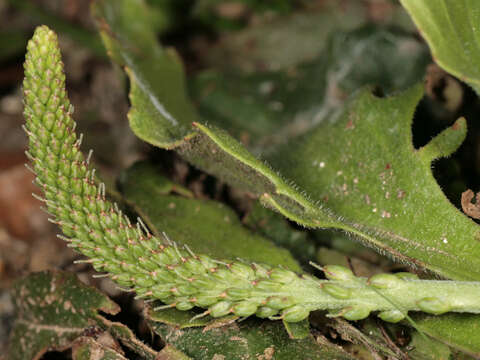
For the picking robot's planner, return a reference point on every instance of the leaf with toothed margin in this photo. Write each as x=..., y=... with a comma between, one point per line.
x=446, y=241
x=451, y=29
x=358, y=171
x=378, y=186
x=363, y=166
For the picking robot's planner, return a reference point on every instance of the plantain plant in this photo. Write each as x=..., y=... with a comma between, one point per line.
x=357, y=172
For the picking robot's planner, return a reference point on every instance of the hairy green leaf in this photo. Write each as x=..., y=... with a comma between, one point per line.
x=451, y=29
x=156, y=75
x=446, y=241
x=459, y=331
x=422, y=347
x=362, y=161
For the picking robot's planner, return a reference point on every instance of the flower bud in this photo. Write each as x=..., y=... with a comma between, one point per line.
x=280, y=302
x=433, y=305
x=238, y=293
x=384, y=281
x=282, y=275
x=242, y=270
x=392, y=316
x=265, y=312
x=356, y=313
x=186, y=289
x=337, y=272
x=337, y=291
x=245, y=308
x=184, y=305
x=204, y=301
x=261, y=271
x=221, y=308
x=406, y=276
x=295, y=313
x=267, y=286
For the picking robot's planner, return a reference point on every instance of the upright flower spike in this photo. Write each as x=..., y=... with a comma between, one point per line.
x=134, y=258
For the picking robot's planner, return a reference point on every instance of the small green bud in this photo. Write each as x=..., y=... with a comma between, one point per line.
x=265, y=312
x=434, y=305
x=222, y=274
x=245, y=308
x=337, y=291
x=238, y=293
x=144, y=281
x=146, y=262
x=242, y=270
x=160, y=292
x=221, y=308
x=205, y=283
x=282, y=275
x=184, y=305
x=205, y=300
x=207, y=262
x=44, y=94
x=267, y=286
x=171, y=253
x=406, y=276
x=186, y=289
x=184, y=272
x=261, y=271
x=280, y=302
x=295, y=313
x=138, y=253
x=194, y=266
x=356, y=313
x=123, y=279
x=337, y=272
x=384, y=281
x=392, y=316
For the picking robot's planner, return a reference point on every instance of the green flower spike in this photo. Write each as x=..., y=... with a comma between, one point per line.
x=161, y=270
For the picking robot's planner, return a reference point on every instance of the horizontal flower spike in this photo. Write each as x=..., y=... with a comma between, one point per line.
x=168, y=272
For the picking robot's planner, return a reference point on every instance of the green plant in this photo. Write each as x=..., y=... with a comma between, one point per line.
x=359, y=173
x=162, y=270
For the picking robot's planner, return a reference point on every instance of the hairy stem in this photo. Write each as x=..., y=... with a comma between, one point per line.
x=134, y=258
